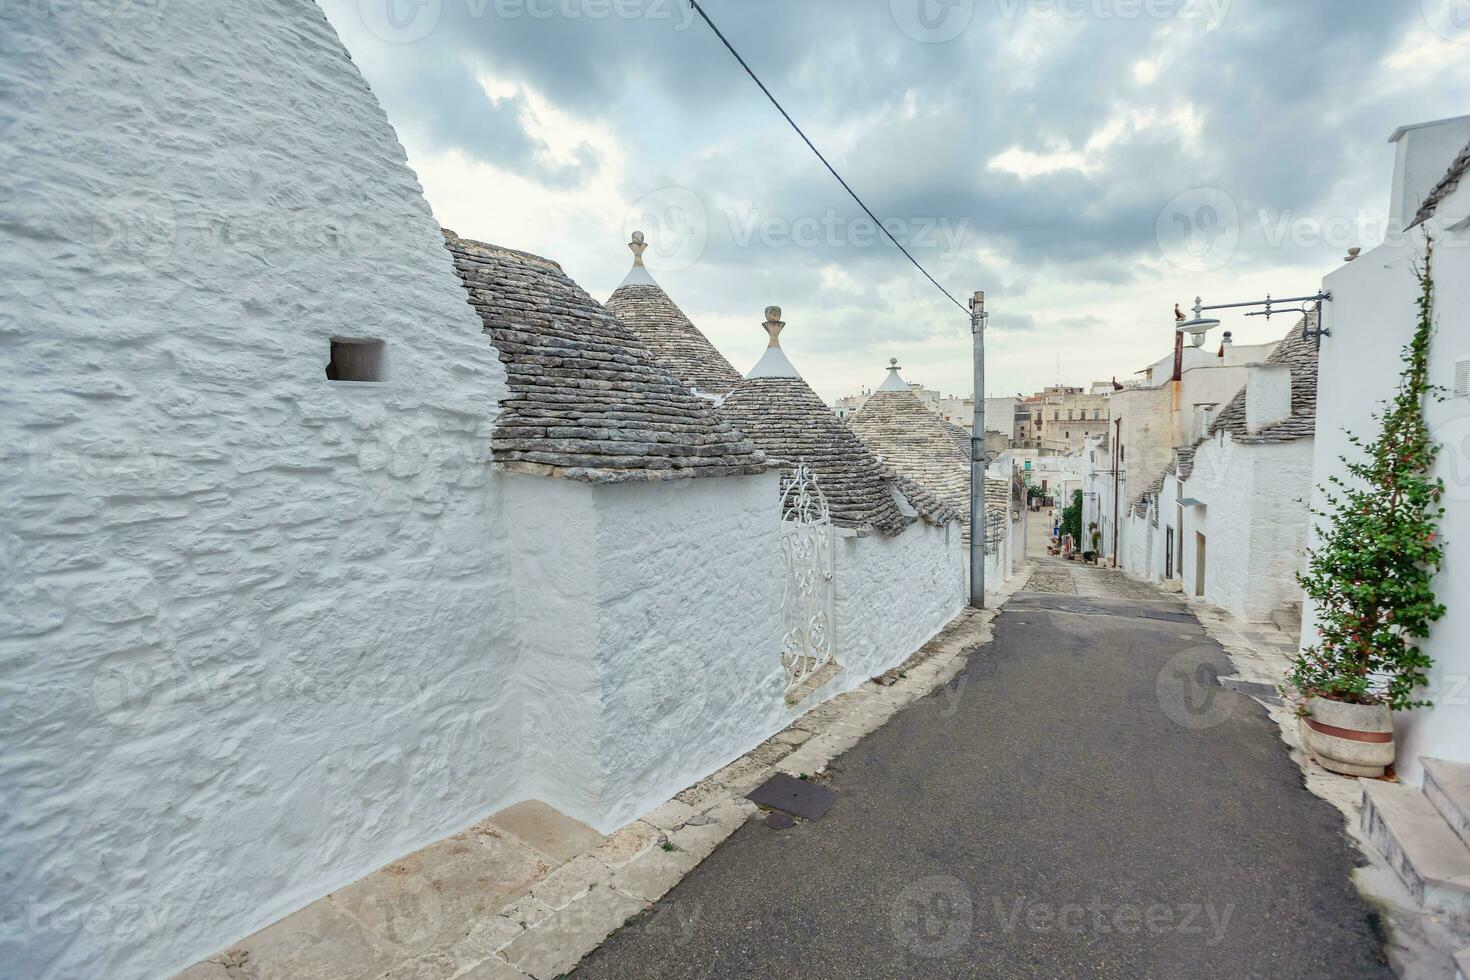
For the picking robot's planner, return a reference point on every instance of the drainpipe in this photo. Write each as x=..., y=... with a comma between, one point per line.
x=1117, y=460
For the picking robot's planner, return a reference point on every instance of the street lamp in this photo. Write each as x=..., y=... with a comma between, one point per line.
x=1197, y=328
x=1305, y=305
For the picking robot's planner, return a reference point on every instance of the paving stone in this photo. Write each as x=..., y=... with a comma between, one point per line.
x=833, y=744
x=492, y=969
x=555, y=946
x=207, y=970
x=627, y=842
x=704, y=793
x=733, y=813
x=700, y=841
x=527, y=911
x=437, y=964
x=821, y=717
x=653, y=873
x=490, y=935
x=793, y=736
x=450, y=959
x=770, y=752
x=571, y=881
x=319, y=942
x=742, y=775
x=547, y=829
x=671, y=815
x=433, y=894
x=805, y=760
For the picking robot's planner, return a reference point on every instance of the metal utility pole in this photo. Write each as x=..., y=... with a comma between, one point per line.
x=977, y=457
x=1117, y=467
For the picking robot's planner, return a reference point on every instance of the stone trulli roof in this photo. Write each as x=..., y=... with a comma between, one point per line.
x=1446, y=186
x=997, y=493
x=783, y=416
x=1184, y=462
x=896, y=426
x=1300, y=354
x=961, y=437
x=645, y=309
x=587, y=401
x=1150, y=493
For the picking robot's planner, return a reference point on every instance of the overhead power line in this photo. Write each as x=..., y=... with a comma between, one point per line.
x=755, y=78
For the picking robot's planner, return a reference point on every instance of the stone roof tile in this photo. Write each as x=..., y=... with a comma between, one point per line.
x=1300, y=354
x=786, y=419
x=961, y=437
x=895, y=425
x=1446, y=186
x=587, y=401
x=644, y=308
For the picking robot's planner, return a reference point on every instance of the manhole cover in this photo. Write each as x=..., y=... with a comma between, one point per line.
x=777, y=820
x=801, y=797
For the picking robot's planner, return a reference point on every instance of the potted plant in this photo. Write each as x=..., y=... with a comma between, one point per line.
x=1371, y=578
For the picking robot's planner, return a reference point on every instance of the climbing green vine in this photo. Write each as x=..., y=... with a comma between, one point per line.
x=1371, y=576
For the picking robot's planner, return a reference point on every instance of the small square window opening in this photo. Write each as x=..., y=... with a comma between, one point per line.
x=357, y=360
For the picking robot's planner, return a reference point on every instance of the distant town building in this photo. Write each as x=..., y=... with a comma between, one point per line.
x=1059, y=418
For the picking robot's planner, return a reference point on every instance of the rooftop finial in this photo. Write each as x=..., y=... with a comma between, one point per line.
x=773, y=325
x=893, y=382
x=639, y=274
x=773, y=363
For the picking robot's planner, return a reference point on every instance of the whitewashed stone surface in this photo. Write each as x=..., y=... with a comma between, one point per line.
x=256, y=626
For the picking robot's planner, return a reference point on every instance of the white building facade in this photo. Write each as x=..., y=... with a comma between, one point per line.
x=1371, y=317
x=300, y=575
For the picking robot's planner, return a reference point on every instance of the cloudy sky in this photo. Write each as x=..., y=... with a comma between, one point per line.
x=1088, y=163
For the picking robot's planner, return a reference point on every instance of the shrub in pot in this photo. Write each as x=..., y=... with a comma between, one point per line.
x=1371, y=578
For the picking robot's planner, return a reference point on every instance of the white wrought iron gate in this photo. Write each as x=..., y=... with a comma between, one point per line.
x=807, y=600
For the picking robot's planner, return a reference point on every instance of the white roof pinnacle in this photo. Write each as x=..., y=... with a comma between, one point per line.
x=893, y=382
x=639, y=274
x=773, y=363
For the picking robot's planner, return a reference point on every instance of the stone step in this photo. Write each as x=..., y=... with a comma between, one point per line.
x=1421, y=847
x=1447, y=784
x=1288, y=618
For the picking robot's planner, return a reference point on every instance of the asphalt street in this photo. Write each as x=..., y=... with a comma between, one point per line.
x=1083, y=800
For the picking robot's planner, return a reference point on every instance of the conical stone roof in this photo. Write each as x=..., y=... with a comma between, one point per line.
x=642, y=306
x=895, y=425
x=780, y=413
x=587, y=402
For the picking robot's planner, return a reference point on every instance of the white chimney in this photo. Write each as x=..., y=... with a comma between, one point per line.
x=1424, y=152
x=1267, y=396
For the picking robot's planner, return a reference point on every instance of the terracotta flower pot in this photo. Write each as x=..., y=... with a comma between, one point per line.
x=1353, y=739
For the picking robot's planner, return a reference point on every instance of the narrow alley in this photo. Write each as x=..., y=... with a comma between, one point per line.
x=1082, y=800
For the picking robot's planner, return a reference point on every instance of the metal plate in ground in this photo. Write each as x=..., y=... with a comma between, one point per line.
x=1264, y=692
x=800, y=797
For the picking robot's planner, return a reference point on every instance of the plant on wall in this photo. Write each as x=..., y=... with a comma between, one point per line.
x=1372, y=574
